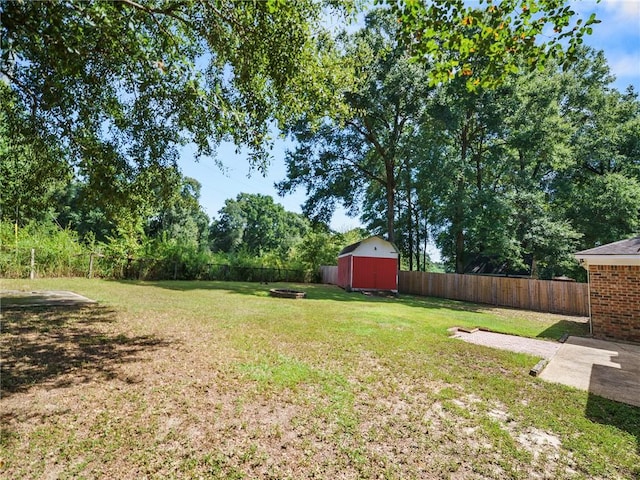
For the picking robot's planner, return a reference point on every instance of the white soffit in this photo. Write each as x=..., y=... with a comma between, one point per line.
x=586, y=260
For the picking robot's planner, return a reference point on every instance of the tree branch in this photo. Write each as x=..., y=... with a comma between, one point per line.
x=161, y=11
x=23, y=88
x=363, y=170
x=367, y=134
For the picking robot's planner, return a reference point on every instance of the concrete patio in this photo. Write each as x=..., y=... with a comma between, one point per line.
x=608, y=369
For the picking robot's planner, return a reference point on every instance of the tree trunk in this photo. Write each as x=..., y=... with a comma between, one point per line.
x=458, y=226
x=460, y=251
x=411, y=229
x=390, y=190
x=458, y=221
x=417, y=229
x=534, y=268
x=391, y=213
x=426, y=244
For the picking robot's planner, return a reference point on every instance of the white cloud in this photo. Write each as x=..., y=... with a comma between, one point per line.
x=624, y=9
x=625, y=65
x=614, y=14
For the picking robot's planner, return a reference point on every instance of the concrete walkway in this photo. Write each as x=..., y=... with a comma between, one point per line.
x=607, y=369
x=539, y=348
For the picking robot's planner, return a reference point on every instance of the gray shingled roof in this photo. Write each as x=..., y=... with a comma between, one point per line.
x=631, y=246
x=349, y=248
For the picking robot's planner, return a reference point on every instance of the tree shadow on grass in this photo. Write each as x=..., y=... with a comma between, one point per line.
x=314, y=291
x=62, y=347
x=619, y=415
x=334, y=293
x=576, y=328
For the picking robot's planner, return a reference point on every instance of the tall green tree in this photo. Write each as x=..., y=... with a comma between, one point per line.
x=75, y=211
x=182, y=218
x=469, y=166
x=363, y=144
x=410, y=219
x=538, y=143
x=320, y=246
x=495, y=149
x=32, y=170
x=255, y=224
x=538, y=168
x=598, y=192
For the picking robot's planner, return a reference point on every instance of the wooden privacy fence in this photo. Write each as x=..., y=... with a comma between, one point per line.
x=329, y=274
x=570, y=298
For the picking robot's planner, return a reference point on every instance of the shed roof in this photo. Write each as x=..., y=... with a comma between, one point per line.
x=349, y=248
x=630, y=246
x=354, y=246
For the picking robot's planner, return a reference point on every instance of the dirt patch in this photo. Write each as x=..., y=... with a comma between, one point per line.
x=547, y=458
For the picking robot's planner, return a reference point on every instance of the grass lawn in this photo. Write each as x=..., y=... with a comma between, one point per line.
x=219, y=380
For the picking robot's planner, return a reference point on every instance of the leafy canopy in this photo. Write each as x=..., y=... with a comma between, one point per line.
x=486, y=41
x=118, y=87
x=364, y=144
x=253, y=223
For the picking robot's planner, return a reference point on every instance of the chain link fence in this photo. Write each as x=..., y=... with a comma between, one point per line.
x=34, y=263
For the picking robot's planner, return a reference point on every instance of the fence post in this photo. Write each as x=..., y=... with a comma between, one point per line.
x=32, y=275
x=91, y=265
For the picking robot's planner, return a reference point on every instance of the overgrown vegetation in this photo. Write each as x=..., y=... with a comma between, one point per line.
x=220, y=380
x=60, y=252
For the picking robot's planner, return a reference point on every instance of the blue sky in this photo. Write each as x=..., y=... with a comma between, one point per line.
x=618, y=36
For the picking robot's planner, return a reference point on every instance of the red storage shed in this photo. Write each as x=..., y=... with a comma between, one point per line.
x=371, y=264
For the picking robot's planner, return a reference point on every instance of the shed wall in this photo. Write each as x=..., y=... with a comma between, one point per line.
x=344, y=272
x=615, y=302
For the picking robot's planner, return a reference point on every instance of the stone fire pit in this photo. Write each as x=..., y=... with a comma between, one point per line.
x=286, y=293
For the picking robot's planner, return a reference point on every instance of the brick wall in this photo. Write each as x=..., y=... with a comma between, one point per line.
x=615, y=302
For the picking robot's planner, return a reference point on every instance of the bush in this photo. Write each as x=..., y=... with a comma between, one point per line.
x=57, y=251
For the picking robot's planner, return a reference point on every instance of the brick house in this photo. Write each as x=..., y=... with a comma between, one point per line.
x=614, y=289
